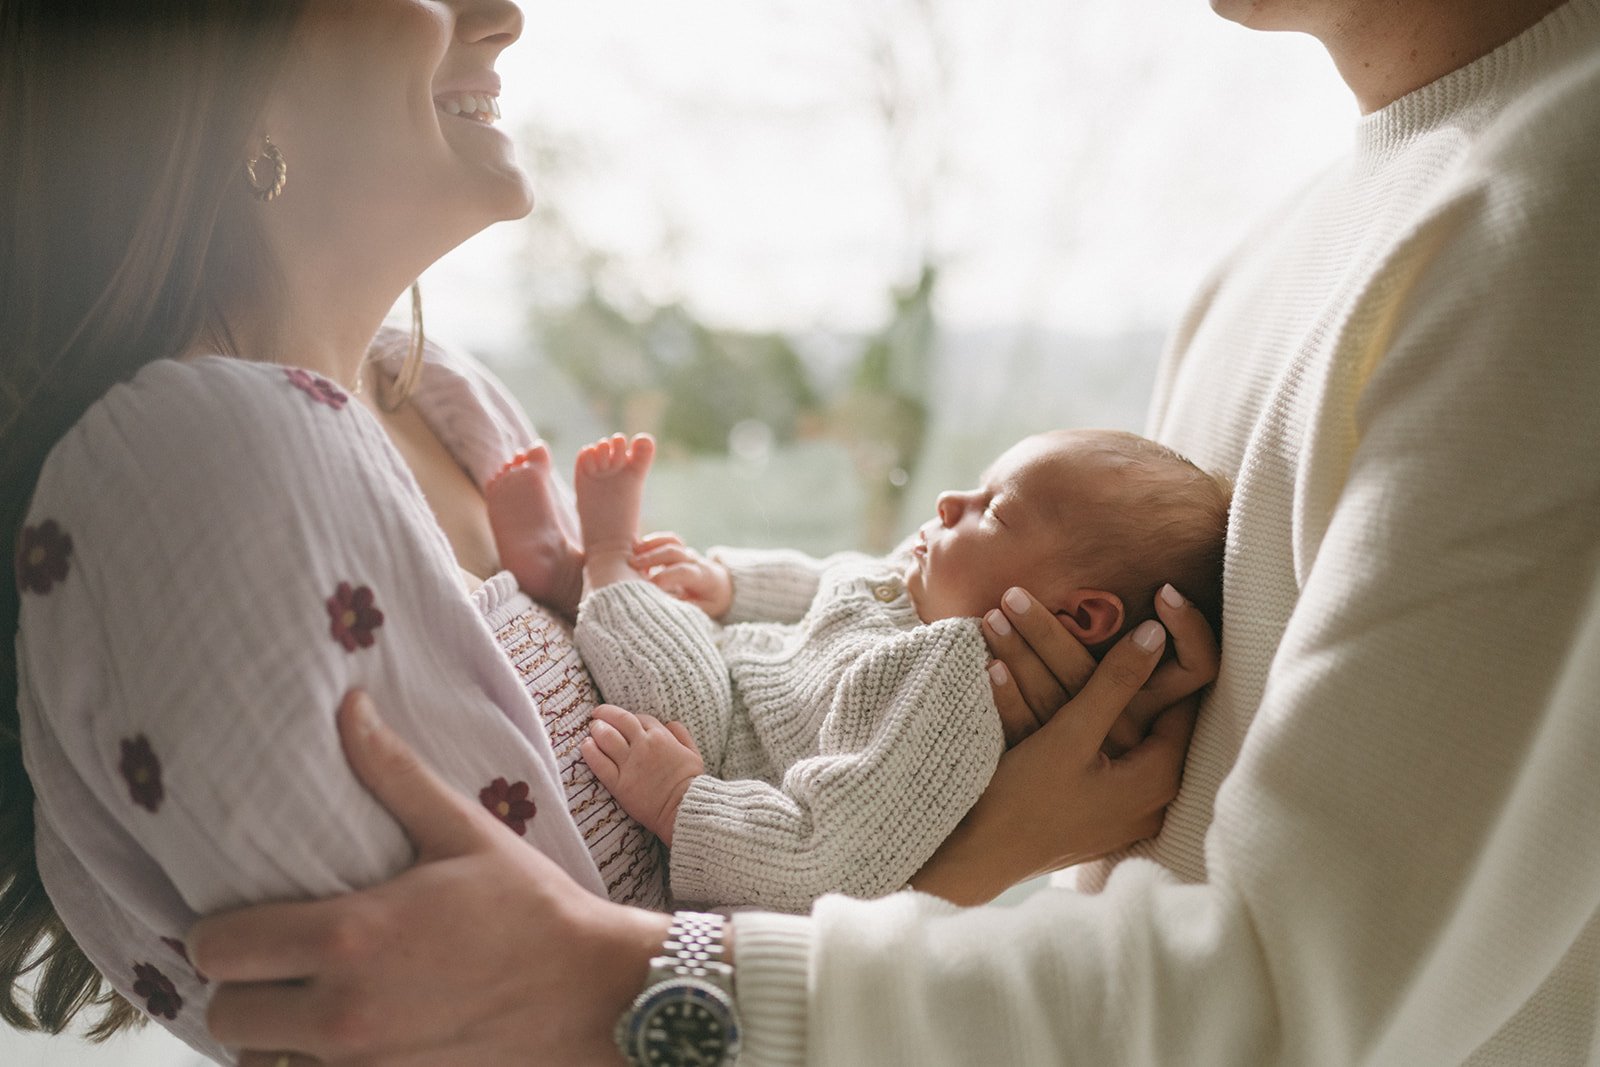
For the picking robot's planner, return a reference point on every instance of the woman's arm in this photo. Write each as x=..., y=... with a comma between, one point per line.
x=356, y=978
x=242, y=550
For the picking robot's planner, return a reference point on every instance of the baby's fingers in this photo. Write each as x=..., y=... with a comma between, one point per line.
x=681, y=732
x=660, y=539
x=603, y=766
x=623, y=721
x=609, y=741
x=661, y=556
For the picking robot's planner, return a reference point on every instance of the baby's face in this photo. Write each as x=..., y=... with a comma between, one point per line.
x=1009, y=531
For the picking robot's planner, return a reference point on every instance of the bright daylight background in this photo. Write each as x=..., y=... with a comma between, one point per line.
x=837, y=254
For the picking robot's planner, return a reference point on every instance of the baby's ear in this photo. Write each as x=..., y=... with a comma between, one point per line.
x=1093, y=616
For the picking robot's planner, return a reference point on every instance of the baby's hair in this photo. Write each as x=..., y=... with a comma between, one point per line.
x=1163, y=519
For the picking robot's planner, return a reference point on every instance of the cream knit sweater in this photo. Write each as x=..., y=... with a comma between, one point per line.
x=843, y=739
x=1387, y=846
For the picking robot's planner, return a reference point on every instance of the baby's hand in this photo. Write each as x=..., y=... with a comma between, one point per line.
x=645, y=763
x=680, y=571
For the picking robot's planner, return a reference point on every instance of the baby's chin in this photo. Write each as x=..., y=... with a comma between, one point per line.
x=917, y=593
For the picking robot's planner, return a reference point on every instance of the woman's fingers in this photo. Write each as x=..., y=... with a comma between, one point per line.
x=1196, y=658
x=1194, y=643
x=1046, y=662
x=438, y=820
x=1017, y=720
x=258, y=1015
x=276, y=1059
x=267, y=942
x=1157, y=761
x=1111, y=687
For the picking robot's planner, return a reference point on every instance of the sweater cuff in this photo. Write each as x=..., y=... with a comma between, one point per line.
x=772, y=963
x=776, y=585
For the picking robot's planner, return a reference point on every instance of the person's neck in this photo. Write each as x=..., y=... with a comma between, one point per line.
x=1385, y=49
x=324, y=327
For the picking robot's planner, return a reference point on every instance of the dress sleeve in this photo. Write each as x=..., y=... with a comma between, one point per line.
x=218, y=552
x=1403, y=863
x=910, y=740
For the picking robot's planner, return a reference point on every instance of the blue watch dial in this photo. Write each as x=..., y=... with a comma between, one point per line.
x=685, y=1024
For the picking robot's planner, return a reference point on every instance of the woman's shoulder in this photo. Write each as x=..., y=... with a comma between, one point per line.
x=219, y=438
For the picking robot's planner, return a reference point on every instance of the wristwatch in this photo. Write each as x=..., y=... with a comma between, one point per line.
x=686, y=1016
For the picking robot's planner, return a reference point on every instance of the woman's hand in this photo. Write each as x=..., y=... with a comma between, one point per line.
x=482, y=952
x=1041, y=665
x=1069, y=792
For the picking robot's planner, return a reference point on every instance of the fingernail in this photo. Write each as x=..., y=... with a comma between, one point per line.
x=998, y=673
x=365, y=715
x=1149, y=635
x=998, y=622
x=1016, y=600
x=1171, y=595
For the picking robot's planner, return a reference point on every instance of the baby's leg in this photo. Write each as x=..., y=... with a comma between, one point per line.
x=610, y=484
x=523, y=513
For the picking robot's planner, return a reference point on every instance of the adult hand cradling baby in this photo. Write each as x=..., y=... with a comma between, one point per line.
x=1096, y=802
x=358, y=972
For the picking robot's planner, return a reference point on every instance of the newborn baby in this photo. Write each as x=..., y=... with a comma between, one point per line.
x=803, y=726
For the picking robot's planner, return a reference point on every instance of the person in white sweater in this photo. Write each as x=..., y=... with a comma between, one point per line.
x=836, y=731
x=1386, y=849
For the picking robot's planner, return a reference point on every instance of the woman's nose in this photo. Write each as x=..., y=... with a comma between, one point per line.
x=497, y=22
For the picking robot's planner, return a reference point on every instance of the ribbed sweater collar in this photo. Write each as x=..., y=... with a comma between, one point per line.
x=1481, y=86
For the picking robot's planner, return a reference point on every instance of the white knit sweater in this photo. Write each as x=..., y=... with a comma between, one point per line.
x=844, y=739
x=1387, y=846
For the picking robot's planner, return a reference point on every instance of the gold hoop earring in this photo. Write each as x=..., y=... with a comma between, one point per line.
x=405, y=383
x=266, y=191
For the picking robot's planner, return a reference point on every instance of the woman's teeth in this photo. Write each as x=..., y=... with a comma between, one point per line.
x=480, y=107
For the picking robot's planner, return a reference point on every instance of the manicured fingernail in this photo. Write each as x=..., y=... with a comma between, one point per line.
x=1149, y=635
x=998, y=673
x=998, y=623
x=365, y=715
x=1171, y=596
x=1016, y=600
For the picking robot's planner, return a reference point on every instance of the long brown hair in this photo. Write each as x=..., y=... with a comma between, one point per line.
x=129, y=237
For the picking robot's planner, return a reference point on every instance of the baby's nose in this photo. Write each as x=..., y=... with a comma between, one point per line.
x=948, y=508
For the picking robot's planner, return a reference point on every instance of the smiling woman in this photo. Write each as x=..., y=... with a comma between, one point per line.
x=128, y=263
x=222, y=492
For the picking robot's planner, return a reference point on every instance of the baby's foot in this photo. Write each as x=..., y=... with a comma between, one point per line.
x=610, y=484
x=524, y=513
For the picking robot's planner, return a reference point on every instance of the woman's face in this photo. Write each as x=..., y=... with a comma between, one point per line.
x=387, y=116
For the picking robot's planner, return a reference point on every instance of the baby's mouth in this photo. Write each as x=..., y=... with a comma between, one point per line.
x=476, y=107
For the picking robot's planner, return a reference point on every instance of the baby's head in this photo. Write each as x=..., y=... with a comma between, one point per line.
x=1091, y=522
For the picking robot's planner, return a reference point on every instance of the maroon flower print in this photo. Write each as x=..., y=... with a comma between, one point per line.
x=509, y=803
x=160, y=995
x=42, y=553
x=353, y=616
x=142, y=771
x=317, y=387
x=178, y=946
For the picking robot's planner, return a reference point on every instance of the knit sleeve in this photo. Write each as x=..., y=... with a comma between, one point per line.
x=214, y=555
x=1402, y=864
x=910, y=740
x=769, y=584
x=653, y=654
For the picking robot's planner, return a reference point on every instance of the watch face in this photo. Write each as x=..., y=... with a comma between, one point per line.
x=685, y=1024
